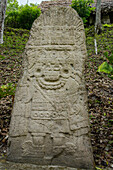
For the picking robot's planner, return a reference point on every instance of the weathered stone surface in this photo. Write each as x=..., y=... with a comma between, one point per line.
x=49, y=124
x=21, y=166
x=47, y=4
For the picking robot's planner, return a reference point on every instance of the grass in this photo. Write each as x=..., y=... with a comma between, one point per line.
x=11, y=54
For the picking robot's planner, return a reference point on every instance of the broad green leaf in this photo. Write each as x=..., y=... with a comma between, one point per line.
x=105, y=67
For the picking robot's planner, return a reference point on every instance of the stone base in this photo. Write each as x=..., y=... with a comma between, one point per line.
x=20, y=166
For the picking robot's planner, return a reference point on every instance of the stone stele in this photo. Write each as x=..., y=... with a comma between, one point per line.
x=49, y=124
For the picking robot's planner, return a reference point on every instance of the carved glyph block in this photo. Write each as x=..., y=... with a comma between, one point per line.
x=49, y=124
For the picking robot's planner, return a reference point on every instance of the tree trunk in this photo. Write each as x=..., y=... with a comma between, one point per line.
x=3, y=4
x=98, y=27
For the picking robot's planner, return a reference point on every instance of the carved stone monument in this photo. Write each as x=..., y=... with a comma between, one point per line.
x=49, y=124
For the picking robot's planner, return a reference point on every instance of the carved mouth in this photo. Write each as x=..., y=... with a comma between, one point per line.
x=51, y=84
x=51, y=78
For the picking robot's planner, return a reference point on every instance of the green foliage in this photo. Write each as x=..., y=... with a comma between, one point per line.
x=108, y=25
x=27, y=16
x=6, y=90
x=2, y=57
x=12, y=5
x=107, y=67
x=83, y=7
x=32, y=5
x=98, y=168
x=21, y=17
x=11, y=59
x=11, y=19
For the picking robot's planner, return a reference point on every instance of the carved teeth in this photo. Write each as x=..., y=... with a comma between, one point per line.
x=51, y=85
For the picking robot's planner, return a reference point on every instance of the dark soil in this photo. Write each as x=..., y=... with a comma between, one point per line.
x=100, y=90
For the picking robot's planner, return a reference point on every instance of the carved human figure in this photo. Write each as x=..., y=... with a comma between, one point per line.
x=49, y=124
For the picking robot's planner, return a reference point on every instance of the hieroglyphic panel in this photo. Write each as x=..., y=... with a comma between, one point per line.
x=50, y=116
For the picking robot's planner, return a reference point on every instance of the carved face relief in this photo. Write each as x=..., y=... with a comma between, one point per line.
x=51, y=72
x=52, y=75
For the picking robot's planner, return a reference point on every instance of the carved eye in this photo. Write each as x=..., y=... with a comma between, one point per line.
x=38, y=70
x=72, y=65
x=66, y=71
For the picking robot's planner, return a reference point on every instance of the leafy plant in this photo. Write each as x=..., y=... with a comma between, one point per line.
x=27, y=16
x=12, y=5
x=11, y=19
x=83, y=7
x=6, y=90
x=98, y=168
x=2, y=57
x=22, y=16
x=108, y=25
x=107, y=67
